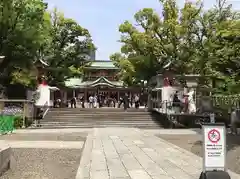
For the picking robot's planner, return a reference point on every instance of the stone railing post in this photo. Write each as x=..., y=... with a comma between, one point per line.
x=25, y=112
x=2, y=105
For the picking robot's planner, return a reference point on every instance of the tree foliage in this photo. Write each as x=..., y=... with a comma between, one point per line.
x=191, y=39
x=69, y=48
x=30, y=32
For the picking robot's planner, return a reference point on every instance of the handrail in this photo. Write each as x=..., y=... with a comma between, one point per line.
x=16, y=100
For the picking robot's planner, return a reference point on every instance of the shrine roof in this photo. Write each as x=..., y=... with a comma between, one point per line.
x=80, y=83
x=100, y=64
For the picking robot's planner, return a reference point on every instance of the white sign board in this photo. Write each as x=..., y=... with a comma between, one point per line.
x=214, y=147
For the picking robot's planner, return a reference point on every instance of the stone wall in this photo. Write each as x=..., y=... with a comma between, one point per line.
x=5, y=158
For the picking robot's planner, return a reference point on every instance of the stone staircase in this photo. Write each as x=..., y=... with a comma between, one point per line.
x=103, y=117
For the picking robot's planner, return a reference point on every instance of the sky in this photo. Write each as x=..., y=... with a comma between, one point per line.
x=103, y=17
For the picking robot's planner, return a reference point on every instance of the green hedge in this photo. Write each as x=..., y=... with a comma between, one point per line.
x=9, y=123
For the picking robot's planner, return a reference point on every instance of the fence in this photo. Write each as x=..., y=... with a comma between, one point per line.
x=205, y=103
x=15, y=114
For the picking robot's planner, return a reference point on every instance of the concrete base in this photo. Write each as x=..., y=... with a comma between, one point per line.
x=5, y=159
x=215, y=175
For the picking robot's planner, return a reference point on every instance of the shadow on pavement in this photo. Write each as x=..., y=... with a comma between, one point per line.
x=233, y=141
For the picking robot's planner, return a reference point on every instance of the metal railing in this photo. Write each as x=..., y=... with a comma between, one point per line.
x=16, y=113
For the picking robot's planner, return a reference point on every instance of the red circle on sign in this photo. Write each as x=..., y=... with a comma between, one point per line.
x=214, y=135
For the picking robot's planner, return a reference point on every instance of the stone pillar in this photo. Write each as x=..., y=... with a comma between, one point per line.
x=2, y=104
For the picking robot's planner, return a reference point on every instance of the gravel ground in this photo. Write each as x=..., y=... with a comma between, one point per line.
x=43, y=164
x=46, y=137
x=193, y=143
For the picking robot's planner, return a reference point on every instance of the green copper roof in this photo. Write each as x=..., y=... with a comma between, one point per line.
x=102, y=65
x=73, y=82
x=79, y=83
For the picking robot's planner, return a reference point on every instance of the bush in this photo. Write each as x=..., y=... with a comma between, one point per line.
x=18, y=122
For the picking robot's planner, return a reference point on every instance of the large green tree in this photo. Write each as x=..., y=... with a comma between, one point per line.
x=21, y=32
x=68, y=48
x=193, y=40
x=30, y=32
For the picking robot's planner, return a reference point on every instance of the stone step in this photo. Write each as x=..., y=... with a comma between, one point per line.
x=98, y=112
x=94, y=120
x=90, y=118
x=98, y=109
x=98, y=116
x=95, y=115
x=98, y=122
x=46, y=125
x=98, y=126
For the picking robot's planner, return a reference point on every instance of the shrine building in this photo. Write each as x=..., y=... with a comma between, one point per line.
x=100, y=77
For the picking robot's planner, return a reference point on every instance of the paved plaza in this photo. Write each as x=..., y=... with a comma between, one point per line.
x=110, y=153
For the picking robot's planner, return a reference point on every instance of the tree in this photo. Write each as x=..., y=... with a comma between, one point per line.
x=156, y=41
x=21, y=35
x=29, y=32
x=68, y=49
x=190, y=39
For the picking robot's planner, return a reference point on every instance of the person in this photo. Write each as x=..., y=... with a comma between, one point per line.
x=120, y=102
x=176, y=103
x=91, y=100
x=82, y=101
x=100, y=100
x=126, y=101
x=95, y=101
x=136, y=101
x=73, y=102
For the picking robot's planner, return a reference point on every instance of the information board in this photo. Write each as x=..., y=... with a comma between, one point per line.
x=214, y=147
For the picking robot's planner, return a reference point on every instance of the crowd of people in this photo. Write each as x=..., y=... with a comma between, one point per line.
x=99, y=100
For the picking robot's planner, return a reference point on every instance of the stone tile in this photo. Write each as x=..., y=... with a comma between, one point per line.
x=138, y=142
x=116, y=168
x=83, y=172
x=130, y=162
x=173, y=170
x=116, y=172
x=134, y=154
x=120, y=147
x=109, y=149
x=162, y=177
x=138, y=174
x=155, y=170
x=113, y=137
x=98, y=166
x=114, y=162
x=128, y=141
x=100, y=174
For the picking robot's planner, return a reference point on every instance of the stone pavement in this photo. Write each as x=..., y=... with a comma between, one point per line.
x=118, y=153
x=108, y=153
